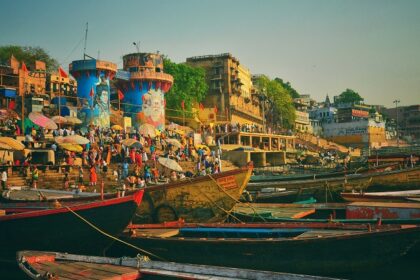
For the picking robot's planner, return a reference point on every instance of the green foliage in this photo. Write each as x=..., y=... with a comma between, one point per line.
x=283, y=111
x=349, y=96
x=189, y=86
x=287, y=86
x=28, y=55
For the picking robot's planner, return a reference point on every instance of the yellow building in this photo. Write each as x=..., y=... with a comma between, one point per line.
x=230, y=97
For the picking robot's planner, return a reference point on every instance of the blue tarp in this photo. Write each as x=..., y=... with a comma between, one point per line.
x=8, y=92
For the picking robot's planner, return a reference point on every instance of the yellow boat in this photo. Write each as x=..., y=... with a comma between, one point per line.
x=207, y=198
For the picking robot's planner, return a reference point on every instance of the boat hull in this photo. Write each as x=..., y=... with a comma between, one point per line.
x=61, y=229
x=331, y=256
x=202, y=199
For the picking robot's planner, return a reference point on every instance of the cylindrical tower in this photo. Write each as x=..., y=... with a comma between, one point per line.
x=143, y=92
x=93, y=90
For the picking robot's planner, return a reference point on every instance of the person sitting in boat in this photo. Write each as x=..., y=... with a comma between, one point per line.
x=173, y=177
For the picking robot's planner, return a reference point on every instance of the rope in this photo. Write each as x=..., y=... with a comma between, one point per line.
x=113, y=237
x=214, y=203
x=237, y=201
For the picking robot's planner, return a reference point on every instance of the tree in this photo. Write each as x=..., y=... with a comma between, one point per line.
x=282, y=111
x=287, y=86
x=349, y=96
x=28, y=55
x=189, y=87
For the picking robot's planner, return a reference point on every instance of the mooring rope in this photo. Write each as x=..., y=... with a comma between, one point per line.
x=113, y=237
x=237, y=201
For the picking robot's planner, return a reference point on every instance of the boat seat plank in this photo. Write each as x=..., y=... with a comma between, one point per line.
x=101, y=271
x=326, y=233
x=157, y=232
x=52, y=267
x=109, y=268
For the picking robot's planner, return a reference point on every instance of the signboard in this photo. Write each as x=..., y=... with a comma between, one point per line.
x=123, y=75
x=197, y=139
x=127, y=122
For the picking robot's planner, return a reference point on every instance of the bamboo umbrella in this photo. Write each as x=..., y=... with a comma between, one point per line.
x=71, y=147
x=117, y=127
x=147, y=129
x=12, y=143
x=174, y=142
x=73, y=120
x=72, y=139
x=59, y=119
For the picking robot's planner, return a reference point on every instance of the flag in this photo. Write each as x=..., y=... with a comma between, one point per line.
x=62, y=73
x=183, y=104
x=215, y=109
x=24, y=69
x=92, y=92
x=201, y=106
x=120, y=95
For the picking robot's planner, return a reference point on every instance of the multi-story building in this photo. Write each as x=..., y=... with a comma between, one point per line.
x=230, y=90
x=351, y=113
x=408, y=121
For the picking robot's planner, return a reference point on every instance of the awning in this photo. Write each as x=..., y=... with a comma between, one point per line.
x=8, y=92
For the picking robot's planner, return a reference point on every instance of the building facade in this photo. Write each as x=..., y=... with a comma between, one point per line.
x=230, y=97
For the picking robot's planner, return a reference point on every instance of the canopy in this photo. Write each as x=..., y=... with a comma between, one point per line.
x=170, y=163
x=117, y=127
x=59, y=119
x=147, y=129
x=5, y=147
x=41, y=120
x=133, y=143
x=73, y=120
x=174, y=142
x=71, y=147
x=12, y=143
x=72, y=139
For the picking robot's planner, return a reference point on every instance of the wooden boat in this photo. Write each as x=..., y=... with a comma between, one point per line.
x=322, y=175
x=409, y=177
x=52, y=265
x=78, y=228
x=399, y=196
x=321, y=249
x=201, y=199
x=31, y=194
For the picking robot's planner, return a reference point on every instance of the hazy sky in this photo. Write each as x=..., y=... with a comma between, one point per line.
x=319, y=46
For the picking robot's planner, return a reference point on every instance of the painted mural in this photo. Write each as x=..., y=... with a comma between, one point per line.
x=153, y=109
x=101, y=100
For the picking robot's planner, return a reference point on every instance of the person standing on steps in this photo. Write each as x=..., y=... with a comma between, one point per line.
x=4, y=179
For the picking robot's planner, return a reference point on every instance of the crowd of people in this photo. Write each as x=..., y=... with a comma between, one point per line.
x=132, y=165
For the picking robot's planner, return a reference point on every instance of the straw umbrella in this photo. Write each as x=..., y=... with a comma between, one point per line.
x=73, y=120
x=71, y=147
x=11, y=144
x=117, y=127
x=59, y=119
x=147, y=129
x=72, y=139
x=174, y=143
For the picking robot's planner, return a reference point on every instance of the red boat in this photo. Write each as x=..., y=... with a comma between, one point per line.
x=77, y=228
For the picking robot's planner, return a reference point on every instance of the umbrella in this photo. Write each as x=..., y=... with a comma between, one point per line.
x=117, y=127
x=147, y=129
x=170, y=163
x=180, y=132
x=131, y=143
x=174, y=142
x=8, y=114
x=203, y=147
x=12, y=143
x=73, y=120
x=71, y=147
x=72, y=139
x=59, y=119
x=41, y=120
x=5, y=147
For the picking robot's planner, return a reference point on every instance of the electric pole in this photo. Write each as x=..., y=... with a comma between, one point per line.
x=396, y=101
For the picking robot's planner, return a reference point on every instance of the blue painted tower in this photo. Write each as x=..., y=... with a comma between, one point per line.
x=144, y=88
x=93, y=90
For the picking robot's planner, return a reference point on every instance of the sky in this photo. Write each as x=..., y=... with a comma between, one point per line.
x=320, y=46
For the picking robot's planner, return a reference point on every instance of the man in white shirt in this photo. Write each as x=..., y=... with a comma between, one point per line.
x=4, y=179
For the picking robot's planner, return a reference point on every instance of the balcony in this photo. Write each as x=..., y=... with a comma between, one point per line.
x=151, y=75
